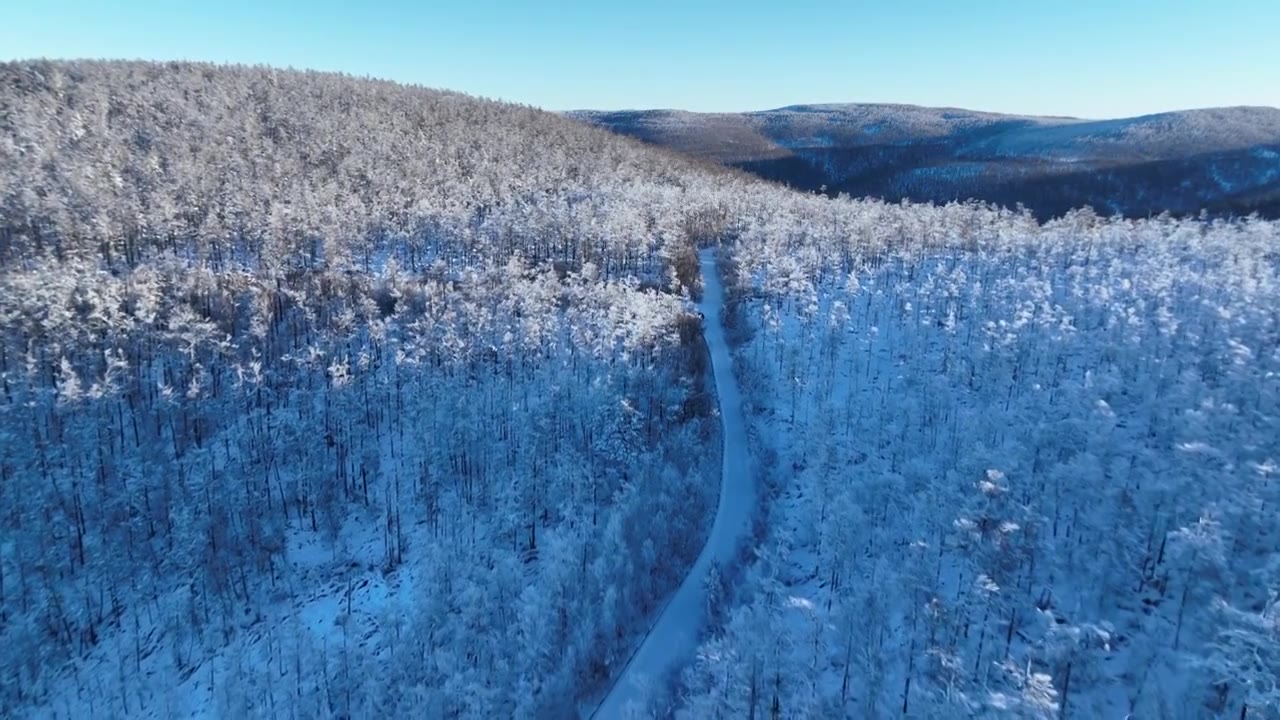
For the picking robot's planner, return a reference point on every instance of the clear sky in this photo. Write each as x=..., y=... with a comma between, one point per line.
x=1090, y=58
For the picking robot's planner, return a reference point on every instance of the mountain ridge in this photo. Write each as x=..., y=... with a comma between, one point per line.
x=898, y=152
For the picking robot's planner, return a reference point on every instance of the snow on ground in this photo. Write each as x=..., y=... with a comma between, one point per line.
x=352, y=601
x=672, y=638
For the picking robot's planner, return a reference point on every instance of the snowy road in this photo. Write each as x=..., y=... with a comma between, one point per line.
x=671, y=640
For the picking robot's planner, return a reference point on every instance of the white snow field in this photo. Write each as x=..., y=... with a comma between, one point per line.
x=672, y=638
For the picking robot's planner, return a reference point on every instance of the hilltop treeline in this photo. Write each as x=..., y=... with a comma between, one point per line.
x=254, y=167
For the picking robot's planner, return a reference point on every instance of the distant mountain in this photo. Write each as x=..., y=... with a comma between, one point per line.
x=1225, y=160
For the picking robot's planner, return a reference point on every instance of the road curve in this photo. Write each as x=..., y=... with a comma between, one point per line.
x=672, y=638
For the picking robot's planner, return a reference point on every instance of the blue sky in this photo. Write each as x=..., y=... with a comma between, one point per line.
x=1073, y=57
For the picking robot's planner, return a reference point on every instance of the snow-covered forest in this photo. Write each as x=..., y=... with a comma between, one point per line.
x=1024, y=472
x=331, y=397
x=326, y=395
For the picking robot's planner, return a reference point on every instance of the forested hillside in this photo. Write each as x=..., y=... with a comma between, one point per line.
x=334, y=395
x=239, y=167
x=331, y=397
x=1026, y=473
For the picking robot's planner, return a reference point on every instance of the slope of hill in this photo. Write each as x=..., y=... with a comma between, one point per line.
x=1221, y=159
x=306, y=379
x=281, y=159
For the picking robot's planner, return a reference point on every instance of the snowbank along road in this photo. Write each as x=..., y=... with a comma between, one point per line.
x=673, y=636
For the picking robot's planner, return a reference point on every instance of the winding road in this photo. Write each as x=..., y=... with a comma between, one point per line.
x=672, y=638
